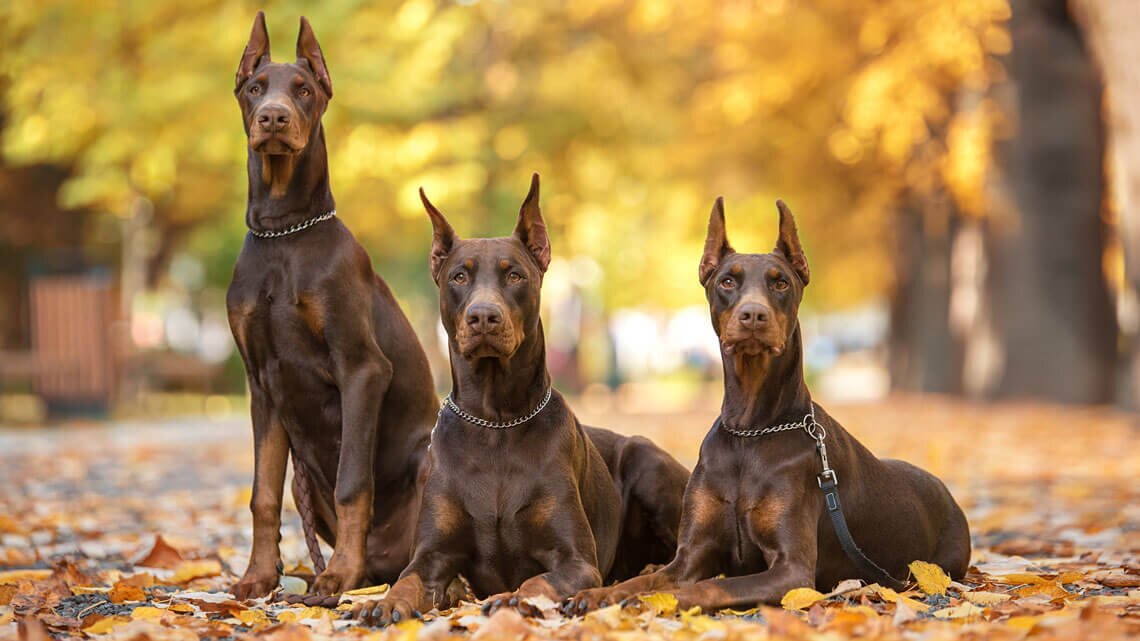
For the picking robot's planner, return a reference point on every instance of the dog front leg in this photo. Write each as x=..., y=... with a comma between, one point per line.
x=271, y=454
x=363, y=385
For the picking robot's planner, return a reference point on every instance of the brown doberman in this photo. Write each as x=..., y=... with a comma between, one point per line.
x=753, y=508
x=522, y=500
x=336, y=374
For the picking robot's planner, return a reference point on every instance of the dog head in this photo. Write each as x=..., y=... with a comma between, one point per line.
x=281, y=103
x=489, y=288
x=753, y=298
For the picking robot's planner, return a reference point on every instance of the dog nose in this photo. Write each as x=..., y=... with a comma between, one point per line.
x=273, y=118
x=484, y=317
x=752, y=315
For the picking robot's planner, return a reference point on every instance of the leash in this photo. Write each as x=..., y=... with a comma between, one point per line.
x=482, y=422
x=294, y=228
x=828, y=482
x=304, y=500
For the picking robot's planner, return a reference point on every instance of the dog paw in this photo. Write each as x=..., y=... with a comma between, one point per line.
x=511, y=600
x=335, y=581
x=325, y=601
x=254, y=585
x=592, y=599
x=385, y=611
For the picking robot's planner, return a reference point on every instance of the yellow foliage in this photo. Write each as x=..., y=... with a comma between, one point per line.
x=800, y=598
x=931, y=578
x=662, y=603
x=147, y=612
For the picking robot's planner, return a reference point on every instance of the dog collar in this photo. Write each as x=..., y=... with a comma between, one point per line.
x=807, y=424
x=482, y=422
x=295, y=228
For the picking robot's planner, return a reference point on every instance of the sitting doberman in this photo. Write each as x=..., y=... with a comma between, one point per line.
x=521, y=499
x=336, y=374
x=753, y=508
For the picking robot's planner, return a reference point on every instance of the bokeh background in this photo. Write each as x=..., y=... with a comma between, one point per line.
x=966, y=176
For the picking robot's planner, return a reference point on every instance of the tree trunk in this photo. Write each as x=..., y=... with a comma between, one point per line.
x=1050, y=299
x=1111, y=27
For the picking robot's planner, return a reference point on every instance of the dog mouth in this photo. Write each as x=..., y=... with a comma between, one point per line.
x=474, y=346
x=751, y=345
x=274, y=144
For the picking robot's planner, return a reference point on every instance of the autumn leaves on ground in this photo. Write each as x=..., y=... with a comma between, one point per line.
x=136, y=532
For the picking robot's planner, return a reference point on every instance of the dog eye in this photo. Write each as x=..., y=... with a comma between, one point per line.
x=254, y=89
x=780, y=285
x=304, y=92
x=459, y=278
x=728, y=282
x=514, y=277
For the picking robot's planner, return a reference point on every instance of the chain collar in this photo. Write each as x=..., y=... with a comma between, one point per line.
x=482, y=422
x=807, y=424
x=295, y=228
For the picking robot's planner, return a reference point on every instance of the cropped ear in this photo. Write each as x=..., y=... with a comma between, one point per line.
x=443, y=237
x=788, y=243
x=255, y=51
x=531, y=229
x=309, y=50
x=716, y=243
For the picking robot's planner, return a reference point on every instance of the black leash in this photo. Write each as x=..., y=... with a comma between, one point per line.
x=829, y=484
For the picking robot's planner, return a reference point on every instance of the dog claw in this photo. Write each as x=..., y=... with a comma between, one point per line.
x=513, y=602
x=395, y=616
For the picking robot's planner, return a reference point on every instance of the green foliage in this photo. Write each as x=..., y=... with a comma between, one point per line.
x=637, y=113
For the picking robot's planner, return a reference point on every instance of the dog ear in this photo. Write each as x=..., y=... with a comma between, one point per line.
x=309, y=50
x=256, y=50
x=531, y=229
x=716, y=243
x=789, y=243
x=443, y=237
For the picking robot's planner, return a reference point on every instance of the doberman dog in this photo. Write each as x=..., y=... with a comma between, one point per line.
x=335, y=372
x=753, y=511
x=522, y=500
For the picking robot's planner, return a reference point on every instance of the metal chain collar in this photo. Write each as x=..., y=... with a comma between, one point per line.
x=295, y=228
x=809, y=425
x=482, y=422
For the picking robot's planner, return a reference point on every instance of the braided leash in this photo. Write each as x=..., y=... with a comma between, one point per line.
x=304, y=499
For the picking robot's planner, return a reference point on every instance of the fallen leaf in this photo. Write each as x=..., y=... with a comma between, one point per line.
x=931, y=578
x=903, y=614
x=800, y=598
x=662, y=603
x=121, y=593
x=106, y=624
x=980, y=597
x=147, y=612
x=190, y=570
x=252, y=618
x=12, y=577
x=965, y=610
x=161, y=555
x=368, y=591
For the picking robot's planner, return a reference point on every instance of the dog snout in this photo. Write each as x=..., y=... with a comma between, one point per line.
x=753, y=316
x=484, y=317
x=273, y=118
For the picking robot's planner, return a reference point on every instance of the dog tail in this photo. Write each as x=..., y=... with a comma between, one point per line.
x=304, y=499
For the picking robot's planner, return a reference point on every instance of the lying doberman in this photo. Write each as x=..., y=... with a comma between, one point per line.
x=521, y=499
x=753, y=508
x=336, y=374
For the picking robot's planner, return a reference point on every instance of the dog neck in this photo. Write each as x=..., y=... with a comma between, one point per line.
x=286, y=189
x=762, y=391
x=500, y=389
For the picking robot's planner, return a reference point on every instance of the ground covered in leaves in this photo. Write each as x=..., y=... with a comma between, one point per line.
x=135, y=532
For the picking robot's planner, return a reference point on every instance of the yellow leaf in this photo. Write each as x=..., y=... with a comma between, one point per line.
x=368, y=591
x=252, y=618
x=800, y=598
x=1025, y=623
x=931, y=579
x=312, y=612
x=1070, y=577
x=147, y=612
x=609, y=616
x=184, y=608
x=407, y=630
x=890, y=596
x=190, y=570
x=1019, y=578
x=12, y=577
x=985, y=598
x=7, y=617
x=105, y=625
x=960, y=611
x=662, y=603
x=693, y=620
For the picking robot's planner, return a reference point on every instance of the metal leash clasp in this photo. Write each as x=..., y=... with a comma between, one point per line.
x=816, y=431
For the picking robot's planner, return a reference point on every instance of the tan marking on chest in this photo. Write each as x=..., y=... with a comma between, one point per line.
x=705, y=506
x=767, y=515
x=447, y=514
x=312, y=312
x=539, y=513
